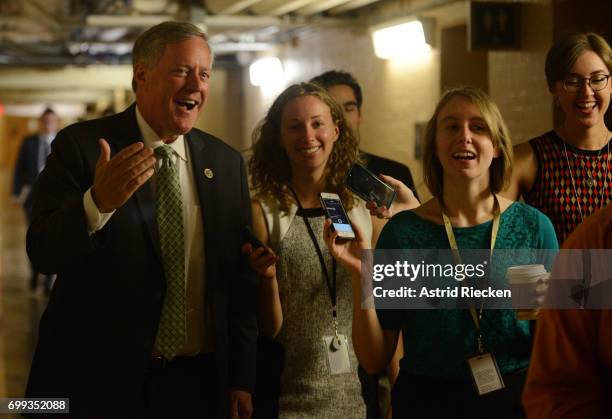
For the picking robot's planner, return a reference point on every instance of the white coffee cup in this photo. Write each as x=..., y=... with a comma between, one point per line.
x=523, y=281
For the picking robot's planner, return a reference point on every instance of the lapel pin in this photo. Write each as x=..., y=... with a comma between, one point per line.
x=208, y=173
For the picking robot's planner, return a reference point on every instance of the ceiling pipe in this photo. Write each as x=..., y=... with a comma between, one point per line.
x=216, y=21
x=351, y=5
x=105, y=21
x=279, y=7
x=228, y=7
x=48, y=96
x=319, y=6
x=232, y=47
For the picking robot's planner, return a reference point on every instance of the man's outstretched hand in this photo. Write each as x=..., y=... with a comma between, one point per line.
x=117, y=178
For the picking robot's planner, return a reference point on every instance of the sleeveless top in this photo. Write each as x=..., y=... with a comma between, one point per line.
x=553, y=191
x=307, y=388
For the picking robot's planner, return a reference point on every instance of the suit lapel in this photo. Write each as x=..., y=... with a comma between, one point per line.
x=128, y=133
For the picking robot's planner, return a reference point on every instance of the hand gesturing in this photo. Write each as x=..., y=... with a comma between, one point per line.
x=117, y=178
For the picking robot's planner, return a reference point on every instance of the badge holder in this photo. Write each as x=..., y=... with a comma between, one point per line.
x=485, y=373
x=336, y=349
x=337, y=354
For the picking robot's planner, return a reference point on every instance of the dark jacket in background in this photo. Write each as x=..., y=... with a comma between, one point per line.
x=378, y=165
x=26, y=169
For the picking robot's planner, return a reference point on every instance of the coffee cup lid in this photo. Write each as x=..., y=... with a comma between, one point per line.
x=525, y=272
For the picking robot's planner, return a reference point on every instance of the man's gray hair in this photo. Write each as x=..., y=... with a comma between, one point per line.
x=150, y=45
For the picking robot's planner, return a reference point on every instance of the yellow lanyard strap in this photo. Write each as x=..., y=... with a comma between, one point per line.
x=455, y=249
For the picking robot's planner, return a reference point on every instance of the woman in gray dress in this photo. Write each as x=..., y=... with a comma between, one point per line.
x=303, y=148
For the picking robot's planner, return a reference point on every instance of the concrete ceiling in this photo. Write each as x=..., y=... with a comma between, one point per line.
x=83, y=32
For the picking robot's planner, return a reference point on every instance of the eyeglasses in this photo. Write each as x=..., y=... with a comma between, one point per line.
x=597, y=82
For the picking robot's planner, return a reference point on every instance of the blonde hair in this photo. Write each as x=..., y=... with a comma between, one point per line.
x=501, y=167
x=269, y=166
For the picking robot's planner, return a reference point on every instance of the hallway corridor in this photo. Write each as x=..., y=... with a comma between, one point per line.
x=20, y=309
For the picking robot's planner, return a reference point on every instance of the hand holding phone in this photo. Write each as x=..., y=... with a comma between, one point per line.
x=368, y=186
x=263, y=263
x=251, y=237
x=347, y=252
x=340, y=221
x=404, y=199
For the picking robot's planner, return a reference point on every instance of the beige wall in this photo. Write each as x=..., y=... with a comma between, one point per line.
x=12, y=132
x=516, y=78
x=399, y=94
x=222, y=114
x=396, y=94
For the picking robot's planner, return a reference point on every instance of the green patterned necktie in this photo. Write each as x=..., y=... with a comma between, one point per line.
x=171, y=334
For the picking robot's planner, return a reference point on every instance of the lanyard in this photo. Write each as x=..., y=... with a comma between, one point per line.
x=476, y=316
x=331, y=285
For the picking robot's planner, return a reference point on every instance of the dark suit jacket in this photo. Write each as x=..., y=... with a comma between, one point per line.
x=26, y=168
x=97, y=333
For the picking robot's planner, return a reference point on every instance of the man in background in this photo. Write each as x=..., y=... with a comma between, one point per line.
x=30, y=162
x=140, y=214
x=345, y=90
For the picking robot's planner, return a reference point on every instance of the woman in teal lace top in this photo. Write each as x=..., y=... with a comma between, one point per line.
x=467, y=161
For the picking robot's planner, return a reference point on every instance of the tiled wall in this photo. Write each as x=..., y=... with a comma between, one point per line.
x=516, y=78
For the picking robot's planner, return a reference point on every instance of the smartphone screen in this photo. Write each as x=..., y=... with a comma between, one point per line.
x=335, y=211
x=368, y=186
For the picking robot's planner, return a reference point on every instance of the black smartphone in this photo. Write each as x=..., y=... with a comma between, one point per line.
x=368, y=186
x=251, y=237
x=334, y=209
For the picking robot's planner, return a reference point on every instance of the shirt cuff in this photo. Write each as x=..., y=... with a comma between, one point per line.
x=95, y=219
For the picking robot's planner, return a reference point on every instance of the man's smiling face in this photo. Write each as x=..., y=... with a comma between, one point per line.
x=172, y=93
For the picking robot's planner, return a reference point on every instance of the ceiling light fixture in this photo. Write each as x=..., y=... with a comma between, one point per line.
x=266, y=71
x=402, y=38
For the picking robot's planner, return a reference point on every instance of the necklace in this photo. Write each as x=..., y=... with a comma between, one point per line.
x=590, y=181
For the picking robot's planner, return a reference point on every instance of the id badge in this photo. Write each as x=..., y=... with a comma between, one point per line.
x=485, y=373
x=337, y=354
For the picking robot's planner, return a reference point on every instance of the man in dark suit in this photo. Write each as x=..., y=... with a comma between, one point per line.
x=345, y=90
x=140, y=214
x=30, y=161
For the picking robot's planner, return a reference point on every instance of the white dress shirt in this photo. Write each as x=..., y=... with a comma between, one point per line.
x=199, y=336
x=44, y=149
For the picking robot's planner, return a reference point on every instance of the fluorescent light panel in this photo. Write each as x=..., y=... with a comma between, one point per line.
x=266, y=71
x=402, y=40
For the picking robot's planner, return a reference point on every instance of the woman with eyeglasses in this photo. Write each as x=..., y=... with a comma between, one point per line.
x=566, y=173
x=467, y=161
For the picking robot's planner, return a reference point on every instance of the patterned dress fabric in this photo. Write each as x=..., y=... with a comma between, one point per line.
x=553, y=192
x=308, y=390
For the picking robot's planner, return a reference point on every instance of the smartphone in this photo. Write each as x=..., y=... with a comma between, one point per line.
x=368, y=186
x=251, y=237
x=334, y=209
